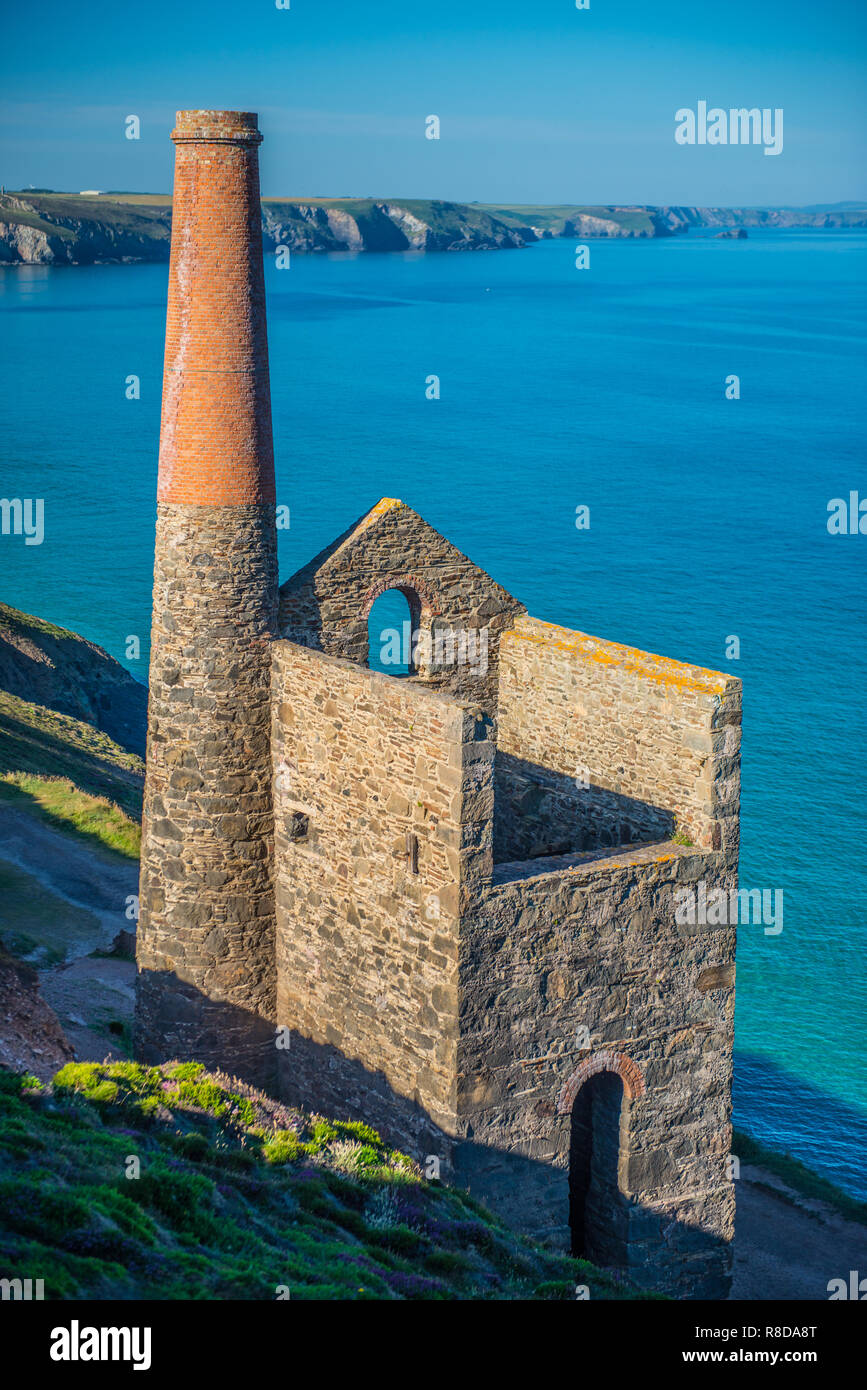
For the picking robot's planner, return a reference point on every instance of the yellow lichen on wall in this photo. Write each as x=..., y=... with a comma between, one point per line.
x=661, y=669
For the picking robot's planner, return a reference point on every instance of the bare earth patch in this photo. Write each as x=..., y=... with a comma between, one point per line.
x=788, y=1246
x=66, y=897
x=93, y=999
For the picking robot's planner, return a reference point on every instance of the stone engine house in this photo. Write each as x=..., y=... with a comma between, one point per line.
x=444, y=903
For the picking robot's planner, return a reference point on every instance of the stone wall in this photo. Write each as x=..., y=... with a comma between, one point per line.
x=205, y=951
x=374, y=778
x=591, y=943
x=205, y=939
x=326, y=604
x=602, y=745
x=448, y=1007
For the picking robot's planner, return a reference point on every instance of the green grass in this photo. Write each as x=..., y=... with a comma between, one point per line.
x=236, y=1197
x=38, y=741
x=798, y=1176
x=129, y=214
x=15, y=624
x=554, y=218
x=62, y=805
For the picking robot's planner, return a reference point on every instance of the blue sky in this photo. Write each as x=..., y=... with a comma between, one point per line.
x=538, y=102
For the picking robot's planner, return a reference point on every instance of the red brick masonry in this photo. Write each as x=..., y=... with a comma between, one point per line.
x=215, y=446
x=626, y=1069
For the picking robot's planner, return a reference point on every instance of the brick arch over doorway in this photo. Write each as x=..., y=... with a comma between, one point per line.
x=618, y=1062
x=598, y=1097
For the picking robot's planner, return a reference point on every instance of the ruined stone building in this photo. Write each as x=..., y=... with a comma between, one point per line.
x=453, y=893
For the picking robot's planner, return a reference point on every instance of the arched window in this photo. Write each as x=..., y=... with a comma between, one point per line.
x=391, y=629
x=598, y=1211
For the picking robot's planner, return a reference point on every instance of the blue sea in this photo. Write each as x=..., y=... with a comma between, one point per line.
x=602, y=387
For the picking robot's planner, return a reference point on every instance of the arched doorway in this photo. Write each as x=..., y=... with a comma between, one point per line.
x=598, y=1208
x=391, y=627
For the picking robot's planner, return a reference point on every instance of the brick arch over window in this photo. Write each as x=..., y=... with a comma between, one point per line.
x=618, y=1062
x=414, y=591
x=424, y=607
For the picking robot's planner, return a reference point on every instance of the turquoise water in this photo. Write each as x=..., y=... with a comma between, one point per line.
x=559, y=387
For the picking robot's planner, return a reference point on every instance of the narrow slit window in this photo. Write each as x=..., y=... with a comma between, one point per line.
x=412, y=853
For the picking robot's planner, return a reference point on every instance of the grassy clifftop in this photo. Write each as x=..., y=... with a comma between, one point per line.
x=72, y=731
x=71, y=784
x=238, y=1197
x=72, y=228
x=49, y=666
x=36, y=742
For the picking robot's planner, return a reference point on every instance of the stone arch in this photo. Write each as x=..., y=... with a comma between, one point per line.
x=618, y=1062
x=412, y=589
x=423, y=605
x=598, y=1098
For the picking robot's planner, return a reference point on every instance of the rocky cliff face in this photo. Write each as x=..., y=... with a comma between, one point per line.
x=366, y=225
x=681, y=219
x=67, y=229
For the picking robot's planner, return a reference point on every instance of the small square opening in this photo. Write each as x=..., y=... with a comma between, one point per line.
x=298, y=826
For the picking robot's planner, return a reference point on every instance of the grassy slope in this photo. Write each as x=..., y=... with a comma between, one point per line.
x=145, y=212
x=69, y=774
x=34, y=922
x=798, y=1176
x=73, y=778
x=41, y=741
x=553, y=218
x=147, y=217
x=237, y=1196
x=62, y=805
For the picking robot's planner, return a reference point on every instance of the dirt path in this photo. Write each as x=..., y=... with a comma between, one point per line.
x=65, y=896
x=788, y=1246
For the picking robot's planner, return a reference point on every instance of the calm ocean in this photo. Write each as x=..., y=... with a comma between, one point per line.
x=603, y=387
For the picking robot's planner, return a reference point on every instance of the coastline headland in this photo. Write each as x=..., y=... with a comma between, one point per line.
x=42, y=227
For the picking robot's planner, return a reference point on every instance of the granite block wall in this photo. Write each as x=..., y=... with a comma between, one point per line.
x=577, y=969
x=380, y=816
x=326, y=604
x=601, y=745
x=205, y=938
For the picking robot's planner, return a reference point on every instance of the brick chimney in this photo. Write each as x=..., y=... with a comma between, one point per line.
x=205, y=953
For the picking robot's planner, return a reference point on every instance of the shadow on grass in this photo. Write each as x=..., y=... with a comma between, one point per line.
x=57, y=752
x=95, y=822
x=176, y=1020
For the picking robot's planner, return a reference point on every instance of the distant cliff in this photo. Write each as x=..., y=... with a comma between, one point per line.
x=66, y=229
x=85, y=229
x=70, y=229
x=366, y=225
